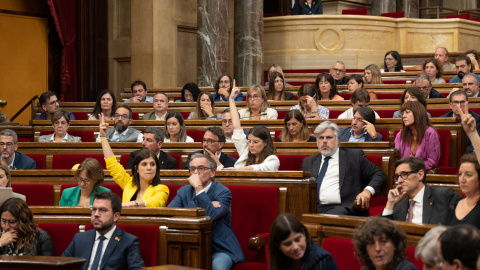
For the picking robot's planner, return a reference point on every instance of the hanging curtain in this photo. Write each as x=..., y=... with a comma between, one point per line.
x=65, y=18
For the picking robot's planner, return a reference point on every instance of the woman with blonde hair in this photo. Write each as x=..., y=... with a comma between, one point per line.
x=372, y=75
x=257, y=105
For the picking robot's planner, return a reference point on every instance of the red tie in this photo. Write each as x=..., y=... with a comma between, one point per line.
x=410, y=211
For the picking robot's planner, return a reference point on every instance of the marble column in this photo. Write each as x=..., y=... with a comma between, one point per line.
x=248, y=42
x=383, y=6
x=212, y=40
x=410, y=7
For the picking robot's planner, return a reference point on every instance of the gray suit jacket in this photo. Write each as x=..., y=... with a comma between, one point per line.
x=70, y=138
x=130, y=136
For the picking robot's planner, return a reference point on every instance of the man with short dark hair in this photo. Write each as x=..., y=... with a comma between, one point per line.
x=360, y=98
x=213, y=142
x=106, y=247
x=121, y=132
x=441, y=54
x=363, y=127
x=463, y=65
x=470, y=84
x=423, y=83
x=204, y=192
x=160, y=106
x=139, y=92
x=49, y=103
x=459, y=247
x=425, y=205
x=153, y=140
x=338, y=73
x=8, y=147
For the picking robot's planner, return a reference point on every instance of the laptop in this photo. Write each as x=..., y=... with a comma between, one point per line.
x=5, y=194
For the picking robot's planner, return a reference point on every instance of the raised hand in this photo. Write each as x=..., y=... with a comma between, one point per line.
x=234, y=93
x=468, y=122
x=103, y=126
x=370, y=128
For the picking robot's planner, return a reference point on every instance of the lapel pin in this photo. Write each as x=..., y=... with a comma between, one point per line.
x=117, y=239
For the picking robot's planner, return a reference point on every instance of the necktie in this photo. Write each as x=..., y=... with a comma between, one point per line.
x=410, y=210
x=322, y=172
x=98, y=254
x=120, y=135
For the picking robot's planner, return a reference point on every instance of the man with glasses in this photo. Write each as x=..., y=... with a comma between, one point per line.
x=106, y=247
x=121, y=132
x=160, y=106
x=459, y=101
x=412, y=201
x=15, y=160
x=139, y=91
x=344, y=175
x=49, y=103
x=227, y=125
x=423, y=82
x=338, y=73
x=215, y=198
x=213, y=142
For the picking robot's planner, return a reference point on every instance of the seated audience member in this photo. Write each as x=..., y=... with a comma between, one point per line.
x=473, y=55
x=60, y=124
x=106, y=103
x=418, y=138
x=423, y=204
x=160, y=107
x=411, y=94
x=223, y=88
x=276, y=89
x=344, y=175
x=471, y=84
x=295, y=128
x=215, y=198
x=276, y=68
x=120, y=251
x=144, y=188
x=309, y=7
x=441, y=54
x=153, y=140
x=15, y=160
x=257, y=105
x=363, y=127
x=213, y=141
x=308, y=102
x=433, y=69
x=381, y=244
x=355, y=82
x=327, y=89
x=89, y=177
x=360, y=98
x=121, y=132
x=258, y=152
x=227, y=125
x=139, y=91
x=49, y=103
x=338, y=73
x=19, y=235
x=189, y=93
x=5, y=180
x=463, y=66
x=426, y=249
x=372, y=75
x=205, y=109
x=459, y=101
x=458, y=247
x=291, y=247
x=175, y=130
x=423, y=83
x=392, y=62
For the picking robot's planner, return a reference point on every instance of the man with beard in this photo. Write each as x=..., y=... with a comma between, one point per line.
x=425, y=205
x=153, y=141
x=363, y=127
x=344, y=175
x=121, y=132
x=106, y=247
x=15, y=160
x=213, y=141
x=463, y=65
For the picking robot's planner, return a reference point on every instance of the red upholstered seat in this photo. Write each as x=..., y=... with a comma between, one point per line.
x=185, y=114
x=37, y=194
x=80, y=115
x=61, y=234
x=377, y=160
x=356, y=11
x=39, y=160
x=346, y=96
x=291, y=162
x=377, y=204
x=411, y=257
x=389, y=96
x=342, y=252
x=394, y=82
x=448, y=170
x=257, y=204
x=475, y=19
x=438, y=112
x=124, y=160
x=465, y=16
x=475, y=110
x=281, y=114
x=86, y=135
x=177, y=98
x=384, y=134
x=400, y=14
x=172, y=192
x=334, y=114
x=385, y=113
x=28, y=139
x=197, y=135
x=66, y=161
x=135, y=116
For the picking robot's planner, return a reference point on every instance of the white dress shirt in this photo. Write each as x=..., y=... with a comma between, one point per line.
x=108, y=235
x=417, y=208
x=330, y=188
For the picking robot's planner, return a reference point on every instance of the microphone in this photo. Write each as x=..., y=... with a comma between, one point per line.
x=248, y=117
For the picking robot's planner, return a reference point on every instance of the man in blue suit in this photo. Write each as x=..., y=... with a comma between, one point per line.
x=215, y=198
x=8, y=148
x=107, y=247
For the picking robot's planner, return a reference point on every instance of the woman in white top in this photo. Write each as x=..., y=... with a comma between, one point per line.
x=257, y=105
x=392, y=62
x=60, y=124
x=175, y=128
x=106, y=104
x=205, y=109
x=256, y=153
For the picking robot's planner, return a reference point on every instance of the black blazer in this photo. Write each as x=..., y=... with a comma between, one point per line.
x=346, y=132
x=436, y=206
x=356, y=172
x=226, y=160
x=435, y=94
x=477, y=119
x=302, y=9
x=289, y=96
x=166, y=161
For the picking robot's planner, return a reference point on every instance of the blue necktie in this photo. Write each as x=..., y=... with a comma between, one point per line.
x=120, y=135
x=322, y=172
x=98, y=254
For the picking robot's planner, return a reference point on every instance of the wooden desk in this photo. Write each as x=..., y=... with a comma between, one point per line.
x=169, y=267
x=41, y=262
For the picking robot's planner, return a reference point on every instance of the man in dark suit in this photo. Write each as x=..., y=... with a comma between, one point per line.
x=459, y=101
x=363, y=127
x=153, y=140
x=213, y=141
x=425, y=205
x=121, y=132
x=8, y=147
x=215, y=198
x=423, y=82
x=106, y=247
x=343, y=175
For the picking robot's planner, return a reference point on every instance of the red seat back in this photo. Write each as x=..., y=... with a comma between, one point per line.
x=172, y=192
x=80, y=115
x=334, y=114
x=444, y=137
x=61, y=234
x=389, y=96
x=342, y=252
x=185, y=114
x=124, y=160
x=281, y=114
x=411, y=257
x=197, y=135
x=85, y=135
x=135, y=116
x=465, y=16
x=278, y=133
x=291, y=162
x=438, y=112
x=346, y=96
x=394, y=82
x=28, y=139
x=385, y=113
x=66, y=161
x=384, y=134
x=356, y=11
x=400, y=14
x=39, y=160
x=37, y=194
x=377, y=204
x=377, y=160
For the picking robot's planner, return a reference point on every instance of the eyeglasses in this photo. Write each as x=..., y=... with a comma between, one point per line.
x=53, y=102
x=227, y=121
x=8, y=144
x=122, y=116
x=456, y=102
x=85, y=181
x=10, y=222
x=328, y=138
x=102, y=211
x=200, y=169
x=403, y=175
x=60, y=123
x=338, y=70
x=389, y=59
x=254, y=97
x=209, y=141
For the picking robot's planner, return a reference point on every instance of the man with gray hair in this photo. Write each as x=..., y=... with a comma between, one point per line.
x=471, y=83
x=344, y=175
x=338, y=73
x=15, y=160
x=441, y=54
x=153, y=141
x=423, y=82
